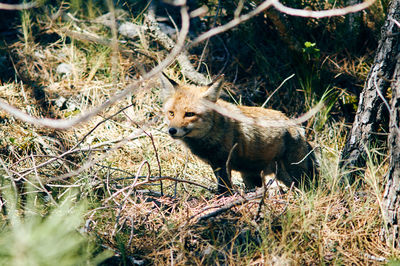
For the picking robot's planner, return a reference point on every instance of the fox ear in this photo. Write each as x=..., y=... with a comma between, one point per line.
x=168, y=86
x=214, y=90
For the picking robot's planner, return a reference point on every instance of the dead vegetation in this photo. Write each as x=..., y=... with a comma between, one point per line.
x=148, y=199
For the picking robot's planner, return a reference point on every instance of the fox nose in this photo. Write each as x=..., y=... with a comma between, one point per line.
x=172, y=131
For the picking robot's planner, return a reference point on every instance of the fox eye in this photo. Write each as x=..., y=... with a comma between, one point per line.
x=189, y=114
x=171, y=113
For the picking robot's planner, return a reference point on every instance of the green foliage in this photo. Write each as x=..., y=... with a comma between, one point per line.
x=394, y=262
x=329, y=99
x=34, y=233
x=311, y=51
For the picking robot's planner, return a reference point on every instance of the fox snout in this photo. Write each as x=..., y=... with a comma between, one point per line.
x=178, y=132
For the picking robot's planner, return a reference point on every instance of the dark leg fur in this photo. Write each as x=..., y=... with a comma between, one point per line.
x=224, y=182
x=252, y=179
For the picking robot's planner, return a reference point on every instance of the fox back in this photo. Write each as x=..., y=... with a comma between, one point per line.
x=207, y=126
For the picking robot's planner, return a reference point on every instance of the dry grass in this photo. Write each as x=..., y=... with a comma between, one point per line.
x=146, y=224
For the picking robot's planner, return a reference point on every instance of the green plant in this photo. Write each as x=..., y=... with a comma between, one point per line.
x=34, y=233
x=311, y=51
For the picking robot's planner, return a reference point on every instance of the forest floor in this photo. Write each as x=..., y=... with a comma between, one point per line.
x=117, y=190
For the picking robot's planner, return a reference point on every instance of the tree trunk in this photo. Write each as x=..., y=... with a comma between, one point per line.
x=391, y=198
x=371, y=111
x=385, y=72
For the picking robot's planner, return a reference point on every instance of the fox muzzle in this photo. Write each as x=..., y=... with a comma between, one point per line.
x=178, y=132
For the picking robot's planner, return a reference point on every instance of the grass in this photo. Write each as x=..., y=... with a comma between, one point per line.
x=28, y=237
x=99, y=209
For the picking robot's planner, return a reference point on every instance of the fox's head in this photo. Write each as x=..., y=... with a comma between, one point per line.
x=184, y=108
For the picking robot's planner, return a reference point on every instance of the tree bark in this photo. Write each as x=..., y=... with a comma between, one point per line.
x=391, y=197
x=371, y=110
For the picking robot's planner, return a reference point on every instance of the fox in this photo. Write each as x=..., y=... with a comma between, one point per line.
x=227, y=144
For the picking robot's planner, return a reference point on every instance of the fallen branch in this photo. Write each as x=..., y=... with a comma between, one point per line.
x=257, y=195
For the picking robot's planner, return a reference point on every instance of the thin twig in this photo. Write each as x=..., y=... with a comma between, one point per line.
x=305, y=156
x=228, y=166
x=153, y=179
x=90, y=148
x=131, y=188
x=91, y=162
x=262, y=200
x=158, y=161
x=395, y=22
x=382, y=97
x=227, y=207
x=272, y=94
x=155, y=151
x=122, y=140
x=12, y=181
x=41, y=184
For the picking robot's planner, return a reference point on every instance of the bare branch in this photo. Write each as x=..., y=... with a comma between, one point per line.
x=233, y=23
x=66, y=123
x=324, y=13
x=226, y=207
x=18, y=6
x=284, y=9
x=395, y=22
x=239, y=116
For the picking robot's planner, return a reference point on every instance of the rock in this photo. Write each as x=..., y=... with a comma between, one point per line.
x=129, y=29
x=65, y=69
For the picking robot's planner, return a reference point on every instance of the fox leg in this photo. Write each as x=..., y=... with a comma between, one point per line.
x=224, y=182
x=252, y=179
x=284, y=176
